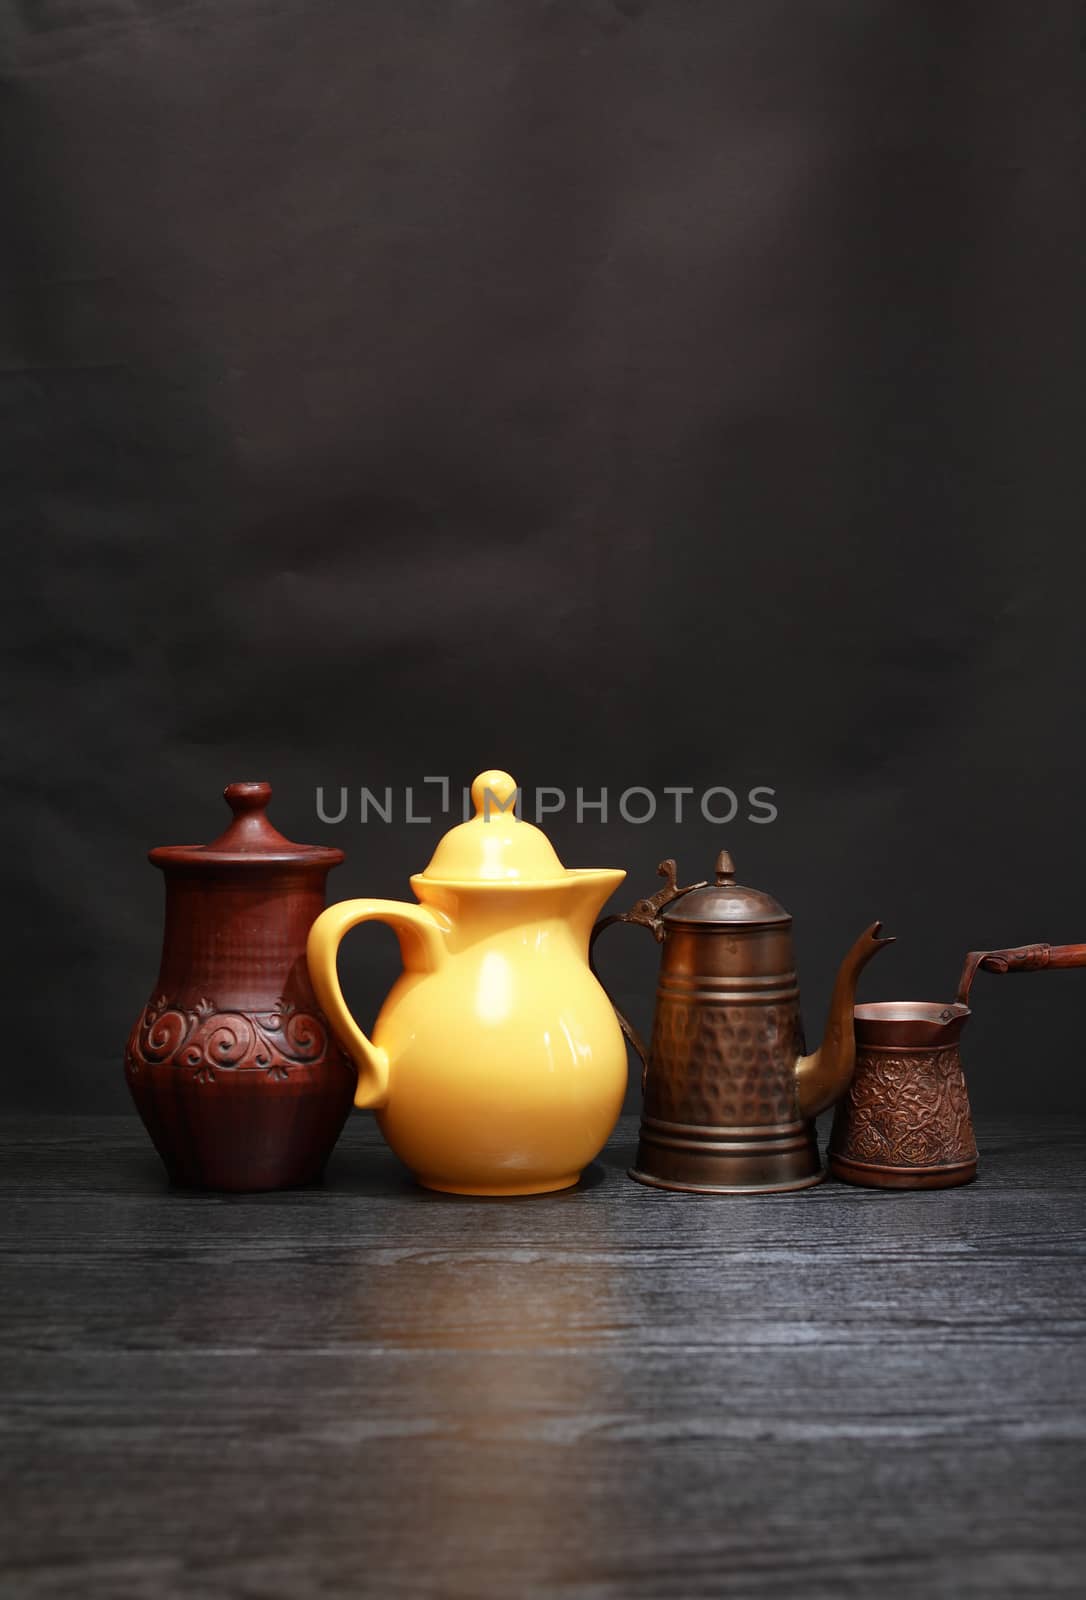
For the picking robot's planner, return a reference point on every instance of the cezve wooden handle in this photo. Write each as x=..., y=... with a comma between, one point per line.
x=1022, y=958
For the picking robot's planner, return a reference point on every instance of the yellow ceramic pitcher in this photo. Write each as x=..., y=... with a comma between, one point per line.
x=496, y=1065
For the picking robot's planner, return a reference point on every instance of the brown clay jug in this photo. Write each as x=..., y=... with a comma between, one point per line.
x=232, y=1066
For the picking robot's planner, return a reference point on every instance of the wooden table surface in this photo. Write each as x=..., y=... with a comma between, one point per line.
x=365, y=1389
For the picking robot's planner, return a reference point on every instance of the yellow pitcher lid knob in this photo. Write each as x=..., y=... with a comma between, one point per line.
x=494, y=794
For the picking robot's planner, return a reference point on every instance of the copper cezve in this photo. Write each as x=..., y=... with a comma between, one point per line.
x=905, y=1122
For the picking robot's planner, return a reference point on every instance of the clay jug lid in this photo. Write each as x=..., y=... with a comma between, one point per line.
x=249, y=841
x=726, y=903
x=495, y=846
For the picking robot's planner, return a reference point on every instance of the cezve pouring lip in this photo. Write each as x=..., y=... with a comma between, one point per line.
x=911, y=1024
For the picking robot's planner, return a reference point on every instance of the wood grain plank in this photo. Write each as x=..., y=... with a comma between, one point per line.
x=365, y=1389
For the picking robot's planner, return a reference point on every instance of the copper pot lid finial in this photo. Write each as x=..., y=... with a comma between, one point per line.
x=725, y=903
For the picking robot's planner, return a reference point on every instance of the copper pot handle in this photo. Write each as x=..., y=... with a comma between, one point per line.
x=1022, y=958
x=645, y=914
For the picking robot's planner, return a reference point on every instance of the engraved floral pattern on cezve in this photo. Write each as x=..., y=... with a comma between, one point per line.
x=205, y=1040
x=907, y=1111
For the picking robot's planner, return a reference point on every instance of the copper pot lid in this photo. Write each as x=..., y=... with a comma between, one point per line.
x=725, y=903
x=250, y=841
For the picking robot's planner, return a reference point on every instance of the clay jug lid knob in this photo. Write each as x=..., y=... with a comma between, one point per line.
x=242, y=797
x=250, y=840
x=725, y=868
x=250, y=829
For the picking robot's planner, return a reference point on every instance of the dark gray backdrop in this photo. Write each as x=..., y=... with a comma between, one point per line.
x=623, y=393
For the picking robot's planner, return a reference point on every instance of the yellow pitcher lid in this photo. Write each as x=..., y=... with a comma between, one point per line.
x=495, y=846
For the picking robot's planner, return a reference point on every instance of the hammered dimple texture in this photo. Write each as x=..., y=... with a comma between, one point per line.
x=723, y=1066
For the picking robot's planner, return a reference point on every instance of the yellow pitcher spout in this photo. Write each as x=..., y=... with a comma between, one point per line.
x=587, y=892
x=823, y=1077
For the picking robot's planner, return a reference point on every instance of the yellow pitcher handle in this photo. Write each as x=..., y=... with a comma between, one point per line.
x=422, y=947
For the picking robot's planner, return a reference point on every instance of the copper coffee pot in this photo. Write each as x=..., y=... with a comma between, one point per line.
x=905, y=1122
x=730, y=1096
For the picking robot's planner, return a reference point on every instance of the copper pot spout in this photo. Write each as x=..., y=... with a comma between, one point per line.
x=823, y=1077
